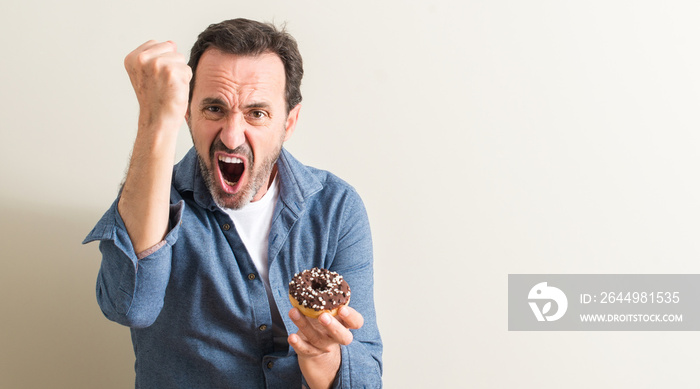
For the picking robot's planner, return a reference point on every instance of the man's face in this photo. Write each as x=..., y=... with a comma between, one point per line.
x=238, y=121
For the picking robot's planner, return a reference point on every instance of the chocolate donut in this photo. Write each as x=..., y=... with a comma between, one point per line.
x=317, y=290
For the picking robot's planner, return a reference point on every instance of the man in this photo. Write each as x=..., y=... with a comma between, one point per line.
x=196, y=259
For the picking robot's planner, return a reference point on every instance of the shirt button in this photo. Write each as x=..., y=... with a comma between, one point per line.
x=269, y=365
x=226, y=227
x=262, y=327
x=251, y=276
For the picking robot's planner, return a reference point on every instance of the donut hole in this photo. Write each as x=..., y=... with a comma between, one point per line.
x=319, y=285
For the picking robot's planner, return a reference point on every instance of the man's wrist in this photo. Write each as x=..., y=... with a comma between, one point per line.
x=320, y=371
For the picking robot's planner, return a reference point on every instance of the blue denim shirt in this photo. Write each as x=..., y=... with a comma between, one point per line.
x=197, y=308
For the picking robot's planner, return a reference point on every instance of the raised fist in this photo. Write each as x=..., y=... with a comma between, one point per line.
x=160, y=77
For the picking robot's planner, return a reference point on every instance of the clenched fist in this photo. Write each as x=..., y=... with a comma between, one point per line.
x=160, y=77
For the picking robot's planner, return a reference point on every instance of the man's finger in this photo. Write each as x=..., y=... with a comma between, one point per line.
x=305, y=325
x=350, y=318
x=147, y=51
x=301, y=346
x=322, y=333
x=155, y=48
x=334, y=329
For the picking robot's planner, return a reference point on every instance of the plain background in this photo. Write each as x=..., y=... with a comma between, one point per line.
x=486, y=138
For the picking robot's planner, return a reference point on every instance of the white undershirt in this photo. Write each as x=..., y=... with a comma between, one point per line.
x=253, y=223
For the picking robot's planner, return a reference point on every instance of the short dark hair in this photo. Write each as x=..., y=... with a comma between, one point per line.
x=249, y=37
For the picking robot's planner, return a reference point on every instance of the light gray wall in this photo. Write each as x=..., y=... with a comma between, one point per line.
x=486, y=138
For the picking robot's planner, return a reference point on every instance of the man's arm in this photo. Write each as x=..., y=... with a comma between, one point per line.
x=160, y=77
x=131, y=288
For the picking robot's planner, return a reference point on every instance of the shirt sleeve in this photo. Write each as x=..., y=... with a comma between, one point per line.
x=361, y=360
x=130, y=291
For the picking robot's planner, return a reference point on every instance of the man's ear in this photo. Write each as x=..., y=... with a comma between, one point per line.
x=291, y=124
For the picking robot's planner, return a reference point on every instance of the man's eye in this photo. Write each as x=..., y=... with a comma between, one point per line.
x=258, y=114
x=212, y=112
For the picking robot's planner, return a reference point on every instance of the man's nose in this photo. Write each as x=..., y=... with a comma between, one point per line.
x=233, y=132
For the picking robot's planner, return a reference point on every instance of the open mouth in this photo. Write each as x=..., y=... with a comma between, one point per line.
x=231, y=169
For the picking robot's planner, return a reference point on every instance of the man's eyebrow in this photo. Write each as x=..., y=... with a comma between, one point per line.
x=257, y=104
x=213, y=101
x=218, y=101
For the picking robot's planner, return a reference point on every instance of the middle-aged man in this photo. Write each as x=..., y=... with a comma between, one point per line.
x=196, y=259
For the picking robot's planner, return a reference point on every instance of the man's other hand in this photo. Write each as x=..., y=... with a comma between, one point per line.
x=318, y=341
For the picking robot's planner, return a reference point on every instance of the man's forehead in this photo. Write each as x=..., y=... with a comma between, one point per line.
x=234, y=77
x=214, y=61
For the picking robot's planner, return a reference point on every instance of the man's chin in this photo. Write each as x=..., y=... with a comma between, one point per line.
x=236, y=200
